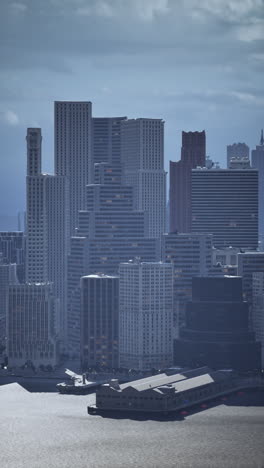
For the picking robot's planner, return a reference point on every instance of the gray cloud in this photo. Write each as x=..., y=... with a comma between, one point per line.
x=195, y=63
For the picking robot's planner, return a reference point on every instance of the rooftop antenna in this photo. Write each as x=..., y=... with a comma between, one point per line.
x=262, y=138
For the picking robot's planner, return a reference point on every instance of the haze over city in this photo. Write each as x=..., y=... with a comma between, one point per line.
x=196, y=64
x=131, y=233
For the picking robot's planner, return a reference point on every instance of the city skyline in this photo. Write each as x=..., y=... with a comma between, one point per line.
x=132, y=233
x=49, y=163
x=130, y=60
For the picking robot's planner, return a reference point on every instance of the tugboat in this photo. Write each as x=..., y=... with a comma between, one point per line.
x=78, y=385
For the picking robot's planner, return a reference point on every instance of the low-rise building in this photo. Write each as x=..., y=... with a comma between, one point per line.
x=163, y=393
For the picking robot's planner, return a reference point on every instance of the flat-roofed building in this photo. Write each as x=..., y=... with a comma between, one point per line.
x=73, y=151
x=99, y=321
x=193, y=153
x=191, y=255
x=163, y=393
x=8, y=275
x=217, y=330
x=258, y=309
x=31, y=325
x=146, y=315
x=249, y=263
x=225, y=204
x=142, y=149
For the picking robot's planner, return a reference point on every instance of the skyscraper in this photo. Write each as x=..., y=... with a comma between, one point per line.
x=258, y=309
x=99, y=320
x=110, y=232
x=257, y=157
x=13, y=250
x=47, y=226
x=31, y=327
x=8, y=275
x=247, y=264
x=73, y=151
x=145, y=315
x=192, y=155
x=225, y=204
x=191, y=255
x=217, y=327
x=107, y=140
x=142, y=146
x=237, y=150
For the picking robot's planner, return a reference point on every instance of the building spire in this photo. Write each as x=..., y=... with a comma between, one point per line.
x=262, y=138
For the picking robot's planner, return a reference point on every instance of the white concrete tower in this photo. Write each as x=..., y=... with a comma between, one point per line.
x=142, y=149
x=145, y=315
x=73, y=151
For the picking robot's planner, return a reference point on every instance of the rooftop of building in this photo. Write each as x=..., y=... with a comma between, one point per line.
x=220, y=169
x=188, y=234
x=251, y=252
x=138, y=262
x=99, y=276
x=178, y=382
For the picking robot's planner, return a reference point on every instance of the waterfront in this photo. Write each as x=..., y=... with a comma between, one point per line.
x=50, y=430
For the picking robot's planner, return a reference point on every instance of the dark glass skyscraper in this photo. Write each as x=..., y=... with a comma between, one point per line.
x=217, y=329
x=192, y=155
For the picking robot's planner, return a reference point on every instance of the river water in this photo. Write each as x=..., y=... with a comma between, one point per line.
x=46, y=430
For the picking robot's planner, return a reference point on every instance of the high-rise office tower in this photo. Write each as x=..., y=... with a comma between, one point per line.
x=192, y=155
x=145, y=315
x=47, y=226
x=99, y=320
x=247, y=264
x=258, y=309
x=31, y=328
x=90, y=256
x=13, y=250
x=257, y=157
x=191, y=255
x=237, y=150
x=107, y=173
x=110, y=232
x=73, y=151
x=142, y=146
x=217, y=330
x=8, y=275
x=109, y=197
x=225, y=204
x=107, y=140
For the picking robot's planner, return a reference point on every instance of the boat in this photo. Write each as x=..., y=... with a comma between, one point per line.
x=78, y=385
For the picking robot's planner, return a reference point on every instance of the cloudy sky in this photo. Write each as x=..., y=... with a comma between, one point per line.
x=198, y=64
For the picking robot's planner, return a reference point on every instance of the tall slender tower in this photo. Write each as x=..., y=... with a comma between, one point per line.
x=36, y=261
x=142, y=146
x=47, y=226
x=192, y=155
x=258, y=163
x=73, y=151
